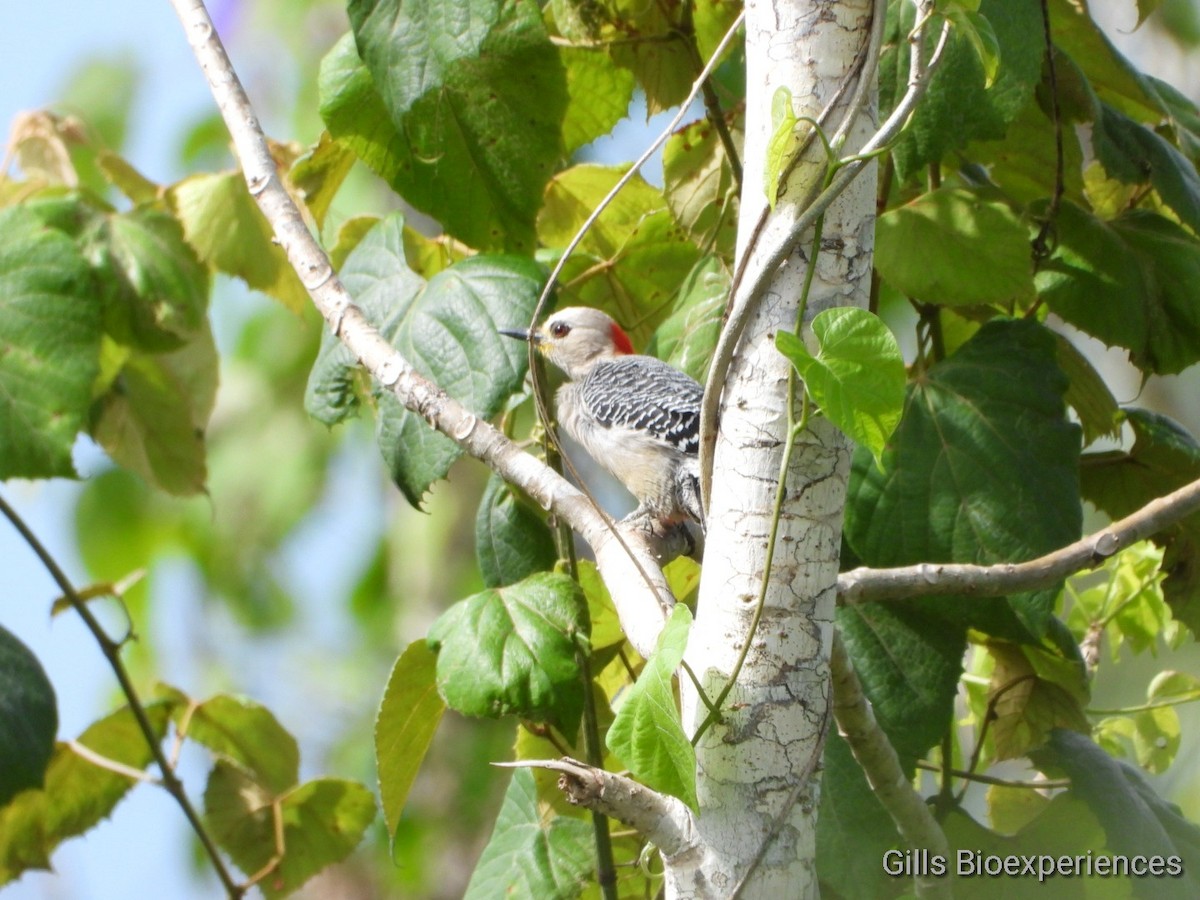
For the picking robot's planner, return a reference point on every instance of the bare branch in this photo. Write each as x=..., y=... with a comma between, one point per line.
x=938, y=579
x=664, y=821
x=640, y=601
x=871, y=748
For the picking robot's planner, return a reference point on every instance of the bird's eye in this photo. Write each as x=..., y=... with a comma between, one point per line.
x=559, y=329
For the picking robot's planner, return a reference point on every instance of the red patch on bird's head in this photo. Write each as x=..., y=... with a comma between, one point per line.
x=621, y=340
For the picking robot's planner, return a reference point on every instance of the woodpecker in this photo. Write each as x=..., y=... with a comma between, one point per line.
x=636, y=416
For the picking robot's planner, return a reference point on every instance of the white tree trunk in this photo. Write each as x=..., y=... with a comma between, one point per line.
x=776, y=715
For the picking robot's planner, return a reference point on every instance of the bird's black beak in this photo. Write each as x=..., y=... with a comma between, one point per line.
x=521, y=334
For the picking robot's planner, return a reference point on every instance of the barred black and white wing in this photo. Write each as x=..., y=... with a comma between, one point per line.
x=647, y=396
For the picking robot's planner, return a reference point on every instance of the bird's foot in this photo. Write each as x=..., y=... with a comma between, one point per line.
x=669, y=539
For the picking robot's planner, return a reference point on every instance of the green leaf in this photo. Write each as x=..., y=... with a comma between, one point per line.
x=28, y=718
x=156, y=287
x=511, y=540
x=77, y=794
x=857, y=376
x=602, y=615
x=1031, y=693
x=1126, y=283
x=983, y=468
x=958, y=106
x=1183, y=114
x=952, y=247
x=115, y=526
x=1135, y=819
x=634, y=258
x=319, y=173
x=1163, y=458
x=661, y=62
x=1134, y=154
x=699, y=187
x=598, y=95
x=1024, y=164
x=152, y=421
x=1064, y=827
x=647, y=734
x=528, y=857
x=1157, y=733
x=512, y=651
x=1142, y=620
x=1156, y=738
x=50, y=326
x=909, y=664
x=102, y=90
x=408, y=717
x=687, y=338
x=479, y=92
x=574, y=194
x=428, y=256
x=783, y=143
x=247, y=734
x=979, y=34
x=225, y=227
x=447, y=328
x=712, y=19
x=450, y=333
x=1087, y=394
x=852, y=825
x=1172, y=685
x=321, y=822
x=1115, y=79
x=122, y=175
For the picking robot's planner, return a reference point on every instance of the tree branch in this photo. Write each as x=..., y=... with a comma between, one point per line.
x=664, y=821
x=112, y=652
x=871, y=748
x=930, y=579
x=641, y=601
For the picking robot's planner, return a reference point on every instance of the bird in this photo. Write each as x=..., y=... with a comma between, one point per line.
x=636, y=416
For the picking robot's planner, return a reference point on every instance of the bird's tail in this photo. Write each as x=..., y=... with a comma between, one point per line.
x=687, y=489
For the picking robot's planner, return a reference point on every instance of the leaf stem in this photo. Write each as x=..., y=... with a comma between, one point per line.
x=991, y=779
x=1190, y=697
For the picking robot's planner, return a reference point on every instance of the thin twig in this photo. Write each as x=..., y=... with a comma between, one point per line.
x=1040, y=250
x=989, y=716
x=1178, y=700
x=112, y=652
x=1048, y=784
x=939, y=579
